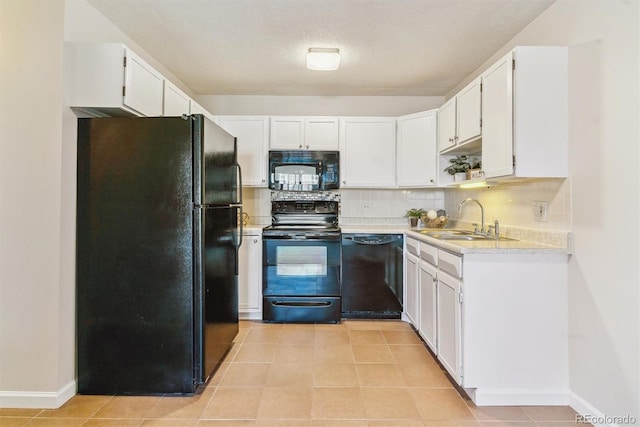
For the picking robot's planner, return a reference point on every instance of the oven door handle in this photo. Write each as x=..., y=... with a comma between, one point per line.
x=302, y=303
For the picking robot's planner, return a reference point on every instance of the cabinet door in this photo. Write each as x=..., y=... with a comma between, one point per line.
x=368, y=152
x=252, y=133
x=287, y=133
x=321, y=133
x=417, y=150
x=447, y=125
x=176, y=102
x=143, y=86
x=449, y=324
x=412, y=288
x=469, y=105
x=428, y=309
x=250, y=277
x=497, y=119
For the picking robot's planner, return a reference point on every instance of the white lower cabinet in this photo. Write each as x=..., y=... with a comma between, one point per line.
x=496, y=321
x=412, y=289
x=250, y=275
x=428, y=305
x=449, y=335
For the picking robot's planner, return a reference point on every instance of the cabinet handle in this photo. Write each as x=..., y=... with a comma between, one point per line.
x=455, y=138
x=300, y=146
x=307, y=147
x=450, y=139
x=432, y=181
x=255, y=240
x=264, y=180
x=344, y=182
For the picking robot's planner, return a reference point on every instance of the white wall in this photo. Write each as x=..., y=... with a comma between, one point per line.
x=34, y=329
x=37, y=196
x=604, y=280
x=318, y=105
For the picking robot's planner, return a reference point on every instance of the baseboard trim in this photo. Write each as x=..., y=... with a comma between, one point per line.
x=37, y=399
x=590, y=414
x=518, y=397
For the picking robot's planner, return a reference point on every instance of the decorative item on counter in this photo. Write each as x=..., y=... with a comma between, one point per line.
x=245, y=218
x=414, y=214
x=458, y=167
x=435, y=219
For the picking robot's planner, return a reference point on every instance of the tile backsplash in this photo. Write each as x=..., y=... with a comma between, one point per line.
x=511, y=204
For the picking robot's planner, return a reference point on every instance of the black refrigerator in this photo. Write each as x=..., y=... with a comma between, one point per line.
x=159, y=206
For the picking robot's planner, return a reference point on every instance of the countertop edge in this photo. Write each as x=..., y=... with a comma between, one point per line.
x=459, y=247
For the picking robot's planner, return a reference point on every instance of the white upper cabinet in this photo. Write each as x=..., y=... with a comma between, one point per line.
x=176, y=102
x=252, y=133
x=416, y=147
x=321, y=133
x=368, y=152
x=287, y=133
x=304, y=133
x=469, y=108
x=459, y=120
x=447, y=125
x=143, y=86
x=525, y=114
x=108, y=79
x=196, y=108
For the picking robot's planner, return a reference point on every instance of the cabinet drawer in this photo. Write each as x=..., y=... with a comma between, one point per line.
x=429, y=254
x=413, y=247
x=450, y=263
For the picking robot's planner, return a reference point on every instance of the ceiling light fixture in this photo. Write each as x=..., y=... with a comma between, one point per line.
x=323, y=59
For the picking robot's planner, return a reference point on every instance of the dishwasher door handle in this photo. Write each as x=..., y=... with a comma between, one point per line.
x=371, y=240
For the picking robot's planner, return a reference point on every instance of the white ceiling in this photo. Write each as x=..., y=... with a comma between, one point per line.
x=258, y=47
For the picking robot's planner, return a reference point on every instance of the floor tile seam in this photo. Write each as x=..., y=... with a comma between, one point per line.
x=98, y=409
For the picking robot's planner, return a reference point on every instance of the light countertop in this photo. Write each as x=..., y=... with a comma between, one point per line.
x=455, y=246
x=488, y=246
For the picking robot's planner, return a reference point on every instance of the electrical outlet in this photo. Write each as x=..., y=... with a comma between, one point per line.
x=540, y=211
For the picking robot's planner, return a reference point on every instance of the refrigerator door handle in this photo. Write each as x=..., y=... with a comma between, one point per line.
x=240, y=215
x=239, y=183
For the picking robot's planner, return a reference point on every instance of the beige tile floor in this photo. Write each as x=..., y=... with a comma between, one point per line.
x=360, y=373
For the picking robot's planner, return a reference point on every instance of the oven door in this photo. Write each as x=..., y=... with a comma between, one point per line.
x=301, y=278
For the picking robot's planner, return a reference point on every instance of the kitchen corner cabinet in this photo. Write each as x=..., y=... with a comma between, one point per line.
x=368, y=152
x=250, y=275
x=109, y=79
x=416, y=150
x=460, y=120
x=252, y=133
x=304, y=133
x=499, y=320
x=525, y=114
x=176, y=102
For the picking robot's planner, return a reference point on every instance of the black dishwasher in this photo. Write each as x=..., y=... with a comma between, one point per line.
x=372, y=276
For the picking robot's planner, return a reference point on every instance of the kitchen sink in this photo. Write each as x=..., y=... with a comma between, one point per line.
x=461, y=235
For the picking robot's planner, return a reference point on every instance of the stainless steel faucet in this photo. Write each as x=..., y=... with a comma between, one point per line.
x=481, y=212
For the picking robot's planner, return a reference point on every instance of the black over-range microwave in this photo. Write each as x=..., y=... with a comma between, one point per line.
x=304, y=170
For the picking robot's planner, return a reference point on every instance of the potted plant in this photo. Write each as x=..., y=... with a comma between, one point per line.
x=458, y=167
x=414, y=214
